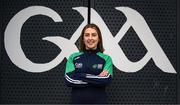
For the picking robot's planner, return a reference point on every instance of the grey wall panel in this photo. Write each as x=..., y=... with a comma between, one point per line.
x=148, y=85
x=19, y=86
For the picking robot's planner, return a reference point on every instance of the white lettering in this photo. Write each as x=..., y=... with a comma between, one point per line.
x=134, y=20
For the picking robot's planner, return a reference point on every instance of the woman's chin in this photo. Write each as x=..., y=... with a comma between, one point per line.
x=91, y=48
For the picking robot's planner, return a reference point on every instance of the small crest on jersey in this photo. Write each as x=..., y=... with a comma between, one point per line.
x=78, y=65
x=97, y=66
x=94, y=66
x=100, y=66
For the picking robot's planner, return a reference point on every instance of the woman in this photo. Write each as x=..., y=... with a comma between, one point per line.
x=89, y=71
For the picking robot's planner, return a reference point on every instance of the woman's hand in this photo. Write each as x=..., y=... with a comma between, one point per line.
x=103, y=73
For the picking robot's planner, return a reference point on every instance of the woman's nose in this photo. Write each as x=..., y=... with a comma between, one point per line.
x=90, y=36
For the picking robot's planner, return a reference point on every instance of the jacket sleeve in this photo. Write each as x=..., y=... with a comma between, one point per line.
x=97, y=80
x=82, y=79
x=71, y=79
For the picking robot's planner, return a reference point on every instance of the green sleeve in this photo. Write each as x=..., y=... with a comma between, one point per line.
x=108, y=65
x=70, y=64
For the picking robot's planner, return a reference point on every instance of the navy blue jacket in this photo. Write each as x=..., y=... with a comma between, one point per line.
x=83, y=69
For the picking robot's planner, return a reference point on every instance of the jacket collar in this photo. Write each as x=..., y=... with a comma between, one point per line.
x=91, y=51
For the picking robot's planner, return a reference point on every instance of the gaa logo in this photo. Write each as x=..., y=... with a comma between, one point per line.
x=120, y=61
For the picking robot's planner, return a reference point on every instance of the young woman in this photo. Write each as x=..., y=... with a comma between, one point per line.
x=89, y=71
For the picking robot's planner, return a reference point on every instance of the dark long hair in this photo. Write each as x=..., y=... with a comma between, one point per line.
x=100, y=43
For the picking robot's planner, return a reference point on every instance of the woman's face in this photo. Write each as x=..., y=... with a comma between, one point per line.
x=90, y=38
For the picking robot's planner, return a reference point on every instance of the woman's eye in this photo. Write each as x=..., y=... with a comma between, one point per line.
x=86, y=35
x=94, y=34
